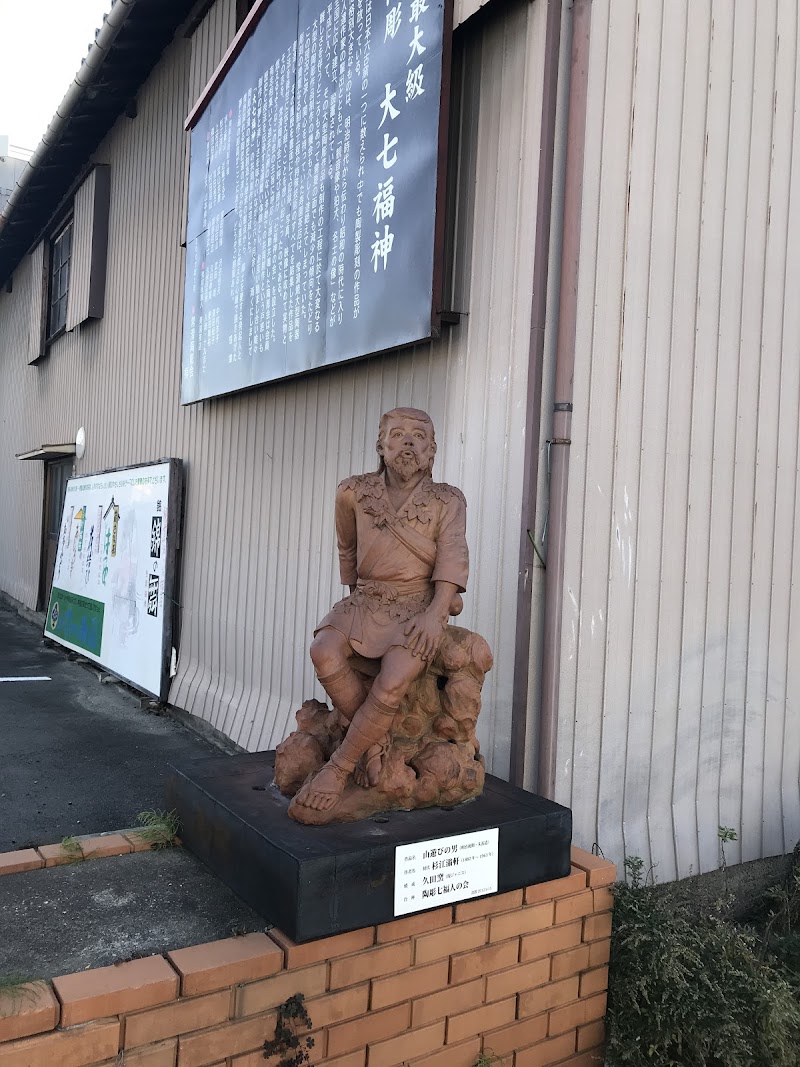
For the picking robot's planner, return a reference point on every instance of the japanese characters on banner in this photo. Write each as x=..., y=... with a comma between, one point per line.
x=312, y=198
x=111, y=598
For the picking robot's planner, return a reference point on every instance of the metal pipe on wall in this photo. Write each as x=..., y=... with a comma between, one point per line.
x=562, y=406
x=533, y=407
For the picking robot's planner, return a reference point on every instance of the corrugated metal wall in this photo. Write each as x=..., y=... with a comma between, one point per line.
x=679, y=691
x=262, y=467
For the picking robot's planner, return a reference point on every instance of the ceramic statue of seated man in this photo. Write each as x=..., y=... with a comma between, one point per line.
x=403, y=553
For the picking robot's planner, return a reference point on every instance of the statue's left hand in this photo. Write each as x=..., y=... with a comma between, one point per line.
x=425, y=632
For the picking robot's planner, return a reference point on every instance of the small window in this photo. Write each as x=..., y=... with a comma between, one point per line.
x=60, y=256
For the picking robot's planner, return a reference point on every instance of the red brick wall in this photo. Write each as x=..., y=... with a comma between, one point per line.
x=521, y=975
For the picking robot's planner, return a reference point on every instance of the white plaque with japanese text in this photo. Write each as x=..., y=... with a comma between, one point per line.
x=428, y=874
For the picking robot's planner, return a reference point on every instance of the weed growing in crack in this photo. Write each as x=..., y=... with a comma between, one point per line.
x=18, y=989
x=288, y=1045
x=72, y=846
x=159, y=828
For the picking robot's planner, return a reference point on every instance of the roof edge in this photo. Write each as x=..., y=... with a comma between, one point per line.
x=87, y=74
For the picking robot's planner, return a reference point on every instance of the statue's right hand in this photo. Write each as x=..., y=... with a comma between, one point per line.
x=425, y=632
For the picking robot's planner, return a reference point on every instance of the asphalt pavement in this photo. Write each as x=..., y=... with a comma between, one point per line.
x=77, y=756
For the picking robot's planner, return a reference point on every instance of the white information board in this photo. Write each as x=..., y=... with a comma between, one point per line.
x=428, y=874
x=111, y=597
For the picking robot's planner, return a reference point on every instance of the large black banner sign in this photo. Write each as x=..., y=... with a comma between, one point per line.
x=312, y=193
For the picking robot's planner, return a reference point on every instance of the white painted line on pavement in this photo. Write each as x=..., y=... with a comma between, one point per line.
x=29, y=678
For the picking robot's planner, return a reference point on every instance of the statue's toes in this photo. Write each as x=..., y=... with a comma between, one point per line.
x=316, y=801
x=307, y=798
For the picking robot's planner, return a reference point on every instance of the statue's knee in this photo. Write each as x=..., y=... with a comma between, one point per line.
x=319, y=653
x=395, y=680
x=326, y=652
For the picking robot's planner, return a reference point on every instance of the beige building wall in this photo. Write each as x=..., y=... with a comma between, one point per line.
x=680, y=682
x=258, y=562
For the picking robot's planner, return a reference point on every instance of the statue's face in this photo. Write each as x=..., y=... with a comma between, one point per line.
x=408, y=446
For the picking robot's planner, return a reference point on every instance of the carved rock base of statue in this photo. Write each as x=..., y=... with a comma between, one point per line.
x=433, y=758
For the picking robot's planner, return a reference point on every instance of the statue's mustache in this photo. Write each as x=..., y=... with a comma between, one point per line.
x=407, y=461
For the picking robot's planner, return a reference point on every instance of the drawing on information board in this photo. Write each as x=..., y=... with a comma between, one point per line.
x=113, y=586
x=124, y=609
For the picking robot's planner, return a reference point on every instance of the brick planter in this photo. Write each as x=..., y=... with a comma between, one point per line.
x=521, y=975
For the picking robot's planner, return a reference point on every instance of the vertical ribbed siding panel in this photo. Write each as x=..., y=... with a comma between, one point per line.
x=679, y=325
x=633, y=560
x=258, y=556
x=778, y=391
x=742, y=771
x=783, y=751
x=21, y=482
x=81, y=262
x=680, y=604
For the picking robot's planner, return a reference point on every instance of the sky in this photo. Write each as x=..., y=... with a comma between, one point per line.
x=41, y=47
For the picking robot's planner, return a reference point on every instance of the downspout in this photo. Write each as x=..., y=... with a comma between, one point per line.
x=81, y=85
x=533, y=407
x=562, y=406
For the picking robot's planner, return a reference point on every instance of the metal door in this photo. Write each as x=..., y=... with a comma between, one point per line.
x=56, y=474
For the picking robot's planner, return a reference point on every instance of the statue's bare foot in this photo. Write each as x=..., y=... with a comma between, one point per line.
x=368, y=769
x=324, y=789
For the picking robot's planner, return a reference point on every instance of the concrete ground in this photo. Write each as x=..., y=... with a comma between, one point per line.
x=78, y=756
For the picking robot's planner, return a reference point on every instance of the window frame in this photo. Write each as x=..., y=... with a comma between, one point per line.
x=63, y=267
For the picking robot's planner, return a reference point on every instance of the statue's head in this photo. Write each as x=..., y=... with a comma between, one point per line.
x=406, y=441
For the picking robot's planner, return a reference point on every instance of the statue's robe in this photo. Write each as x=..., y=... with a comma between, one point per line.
x=394, y=557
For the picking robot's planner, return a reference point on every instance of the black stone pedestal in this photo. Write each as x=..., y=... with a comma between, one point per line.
x=313, y=881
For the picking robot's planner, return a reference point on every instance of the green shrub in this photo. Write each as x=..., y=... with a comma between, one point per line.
x=786, y=953
x=780, y=928
x=692, y=989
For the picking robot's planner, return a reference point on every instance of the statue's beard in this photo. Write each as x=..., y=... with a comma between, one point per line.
x=406, y=467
